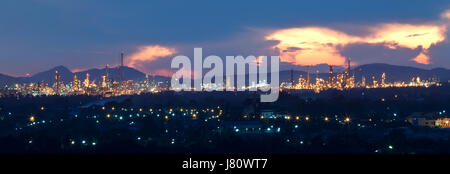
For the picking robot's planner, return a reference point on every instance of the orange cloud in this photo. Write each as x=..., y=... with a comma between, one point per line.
x=407, y=35
x=162, y=72
x=75, y=70
x=148, y=53
x=446, y=14
x=317, y=45
x=311, y=45
x=422, y=58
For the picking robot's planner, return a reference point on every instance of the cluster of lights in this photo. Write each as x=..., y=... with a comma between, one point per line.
x=194, y=113
x=106, y=87
x=347, y=81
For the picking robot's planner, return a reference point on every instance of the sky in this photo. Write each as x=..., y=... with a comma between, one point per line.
x=37, y=35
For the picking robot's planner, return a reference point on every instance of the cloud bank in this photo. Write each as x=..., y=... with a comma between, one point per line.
x=147, y=54
x=318, y=45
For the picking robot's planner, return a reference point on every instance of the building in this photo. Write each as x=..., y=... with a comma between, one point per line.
x=431, y=120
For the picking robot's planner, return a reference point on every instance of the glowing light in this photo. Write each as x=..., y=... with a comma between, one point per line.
x=391, y=147
x=347, y=119
x=42, y=108
x=32, y=119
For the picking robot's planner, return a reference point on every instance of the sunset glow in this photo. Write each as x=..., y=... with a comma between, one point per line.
x=148, y=53
x=422, y=58
x=446, y=14
x=407, y=35
x=317, y=45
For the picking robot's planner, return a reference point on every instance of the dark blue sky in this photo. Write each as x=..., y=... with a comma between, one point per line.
x=36, y=35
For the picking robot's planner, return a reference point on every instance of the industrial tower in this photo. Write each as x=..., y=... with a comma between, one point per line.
x=121, y=77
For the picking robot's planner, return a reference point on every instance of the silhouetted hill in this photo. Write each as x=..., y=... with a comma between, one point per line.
x=67, y=76
x=96, y=74
x=393, y=73
x=49, y=75
x=8, y=80
x=399, y=73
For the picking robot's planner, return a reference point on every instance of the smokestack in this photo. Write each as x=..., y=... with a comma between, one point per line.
x=330, y=78
x=121, y=69
x=121, y=59
x=348, y=65
x=292, y=77
x=107, y=76
x=307, y=76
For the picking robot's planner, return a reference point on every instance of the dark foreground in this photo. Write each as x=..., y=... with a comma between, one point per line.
x=357, y=122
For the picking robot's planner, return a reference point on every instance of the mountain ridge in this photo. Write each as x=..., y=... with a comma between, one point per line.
x=393, y=72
